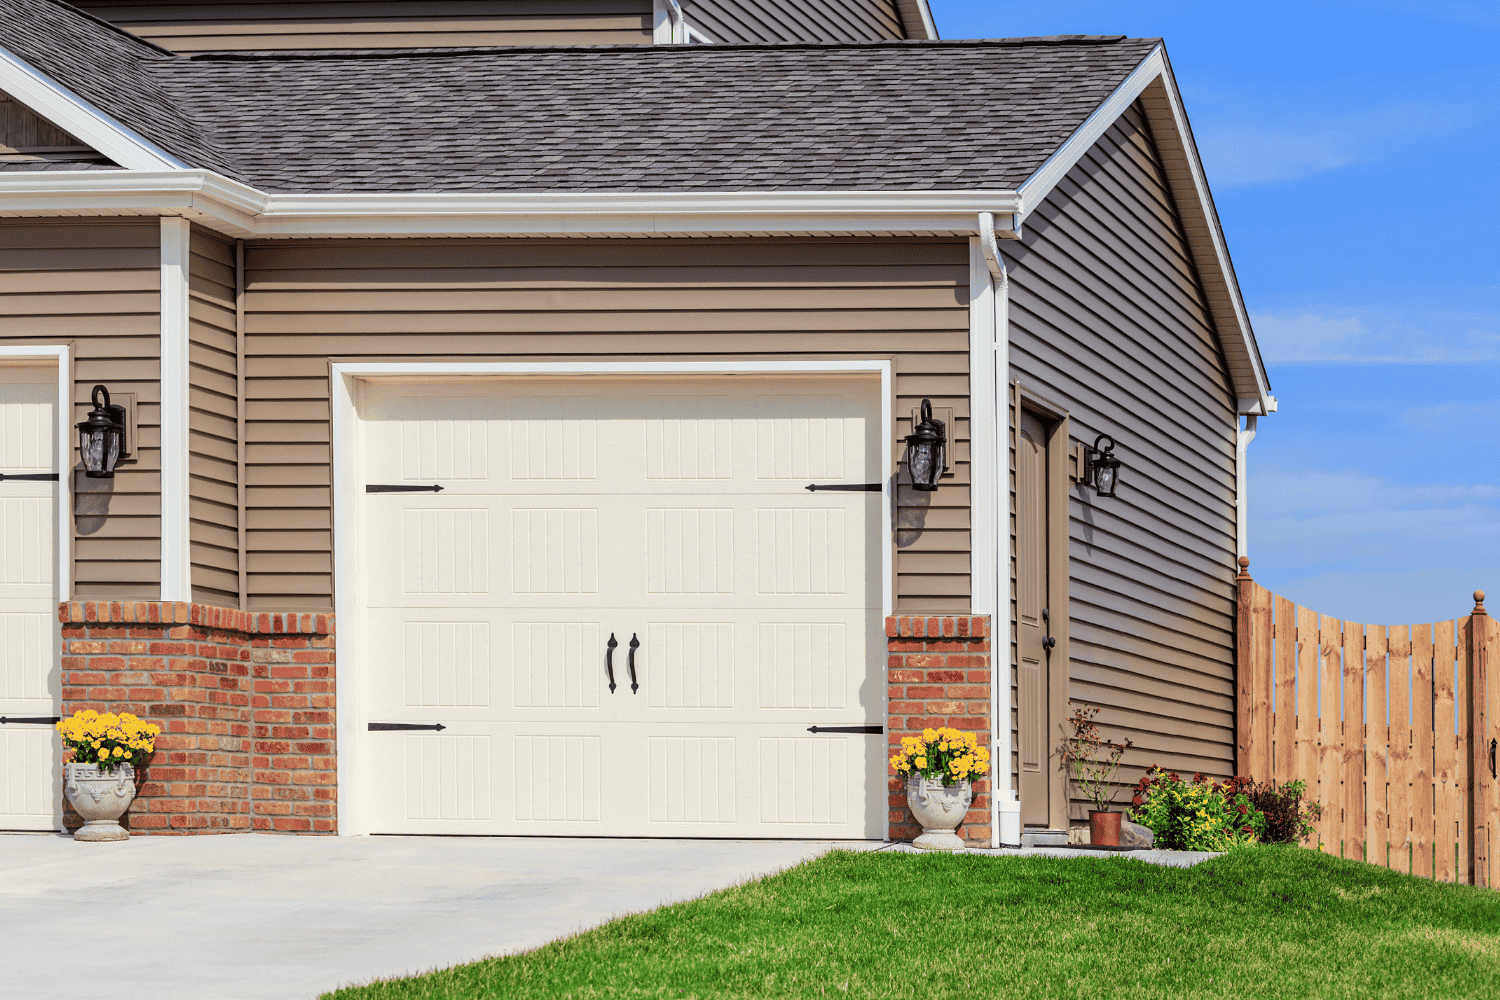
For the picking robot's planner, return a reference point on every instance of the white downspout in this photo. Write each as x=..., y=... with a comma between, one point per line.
x=1242, y=486
x=1005, y=809
x=679, y=23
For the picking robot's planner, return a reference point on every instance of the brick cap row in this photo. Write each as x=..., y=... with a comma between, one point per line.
x=190, y=613
x=937, y=626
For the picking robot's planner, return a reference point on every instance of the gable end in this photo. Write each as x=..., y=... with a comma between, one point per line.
x=29, y=141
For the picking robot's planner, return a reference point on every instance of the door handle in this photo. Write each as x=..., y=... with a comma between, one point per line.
x=630, y=661
x=1048, y=641
x=609, y=661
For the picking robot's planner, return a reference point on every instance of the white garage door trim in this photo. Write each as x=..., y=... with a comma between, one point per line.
x=61, y=355
x=348, y=475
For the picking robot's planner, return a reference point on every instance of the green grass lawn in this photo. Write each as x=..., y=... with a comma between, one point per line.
x=1263, y=922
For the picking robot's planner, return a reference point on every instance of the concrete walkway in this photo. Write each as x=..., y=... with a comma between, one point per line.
x=286, y=918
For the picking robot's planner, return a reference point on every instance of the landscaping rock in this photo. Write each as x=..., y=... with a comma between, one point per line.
x=1134, y=835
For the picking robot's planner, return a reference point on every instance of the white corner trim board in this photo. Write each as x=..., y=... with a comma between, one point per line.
x=348, y=478
x=62, y=356
x=176, y=556
x=80, y=118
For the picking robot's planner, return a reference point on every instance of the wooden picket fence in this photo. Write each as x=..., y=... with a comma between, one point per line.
x=1419, y=795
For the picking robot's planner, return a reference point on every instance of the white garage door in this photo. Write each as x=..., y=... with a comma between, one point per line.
x=669, y=516
x=30, y=681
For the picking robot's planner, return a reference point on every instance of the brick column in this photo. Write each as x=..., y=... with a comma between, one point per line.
x=244, y=700
x=939, y=675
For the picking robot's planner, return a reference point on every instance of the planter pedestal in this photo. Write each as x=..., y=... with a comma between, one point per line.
x=940, y=810
x=101, y=799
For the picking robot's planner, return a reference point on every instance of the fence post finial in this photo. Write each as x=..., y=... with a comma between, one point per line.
x=1478, y=603
x=1244, y=568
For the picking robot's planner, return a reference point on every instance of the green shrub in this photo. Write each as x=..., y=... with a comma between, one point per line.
x=1196, y=816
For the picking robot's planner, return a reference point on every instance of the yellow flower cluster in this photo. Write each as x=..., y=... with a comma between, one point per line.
x=107, y=739
x=950, y=754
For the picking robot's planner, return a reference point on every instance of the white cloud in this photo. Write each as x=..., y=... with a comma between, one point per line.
x=1376, y=334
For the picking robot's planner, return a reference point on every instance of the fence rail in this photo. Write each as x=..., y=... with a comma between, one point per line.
x=1393, y=730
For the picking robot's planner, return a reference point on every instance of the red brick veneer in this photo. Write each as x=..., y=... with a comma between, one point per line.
x=245, y=701
x=939, y=675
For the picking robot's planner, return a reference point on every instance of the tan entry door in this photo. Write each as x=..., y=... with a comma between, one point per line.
x=30, y=682
x=669, y=515
x=1033, y=620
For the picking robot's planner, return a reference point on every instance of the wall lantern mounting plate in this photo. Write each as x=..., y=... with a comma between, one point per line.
x=1101, y=467
x=926, y=451
x=101, y=436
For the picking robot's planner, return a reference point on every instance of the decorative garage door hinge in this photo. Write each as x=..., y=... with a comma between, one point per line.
x=846, y=729
x=385, y=727
x=39, y=720
x=33, y=477
x=403, y=489
x=846, y=487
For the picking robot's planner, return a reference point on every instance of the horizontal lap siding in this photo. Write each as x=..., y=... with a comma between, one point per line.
x=1108, y=315
x=212, y=432
x=731, y=21
x=306, y=302
x=98, y=285
x=365, y=24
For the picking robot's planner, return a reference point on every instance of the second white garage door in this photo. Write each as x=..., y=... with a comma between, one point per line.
x=669, y=516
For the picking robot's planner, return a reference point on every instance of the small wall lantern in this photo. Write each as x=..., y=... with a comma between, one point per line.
x=101, y=437
x=1101, y=468
x=926, y=451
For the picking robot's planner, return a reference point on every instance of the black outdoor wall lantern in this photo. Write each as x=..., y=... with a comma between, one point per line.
x=101, y=437
x=926, y=451
x=1102, y=469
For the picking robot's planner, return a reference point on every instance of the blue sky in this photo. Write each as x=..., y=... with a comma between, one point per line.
x=1352, y=151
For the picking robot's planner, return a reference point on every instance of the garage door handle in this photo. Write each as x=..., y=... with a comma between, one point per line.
x=609, y=661
x=630, y=661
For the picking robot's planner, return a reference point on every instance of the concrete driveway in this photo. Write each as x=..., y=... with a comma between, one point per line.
x=252, y=916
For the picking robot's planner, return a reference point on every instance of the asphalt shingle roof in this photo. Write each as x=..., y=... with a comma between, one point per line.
x=875, y=116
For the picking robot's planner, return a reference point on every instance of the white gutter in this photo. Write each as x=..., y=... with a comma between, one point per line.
x=240, y=211
x=1005, y=809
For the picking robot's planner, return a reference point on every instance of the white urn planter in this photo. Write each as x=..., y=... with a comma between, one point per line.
x=940, y=810
x=100, y=798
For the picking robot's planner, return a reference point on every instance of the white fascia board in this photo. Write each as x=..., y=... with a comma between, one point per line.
x=928, y=24
x=1046, y=177
x=1035, y=188
x=1216, y=233
x=76, y=116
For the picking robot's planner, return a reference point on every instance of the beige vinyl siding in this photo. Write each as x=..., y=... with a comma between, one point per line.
x=97, y=285
x=23, y=131
x=729, y=21
x=307, y=302
x=213, y=500
x=368, y=24
x=1108, y=316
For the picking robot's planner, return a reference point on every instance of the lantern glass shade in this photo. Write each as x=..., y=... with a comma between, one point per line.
x=101, y=436
x=926, y=451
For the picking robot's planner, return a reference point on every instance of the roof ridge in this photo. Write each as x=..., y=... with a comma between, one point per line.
x=267, y=55
x=133, y=38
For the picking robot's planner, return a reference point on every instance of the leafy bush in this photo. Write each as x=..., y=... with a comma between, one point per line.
x=1196, y=816
x=1204, y=816
x=1285, y=822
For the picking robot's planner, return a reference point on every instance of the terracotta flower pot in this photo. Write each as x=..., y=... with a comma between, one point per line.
x=1104, y=828
x=101, y=798
x=940, y=810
